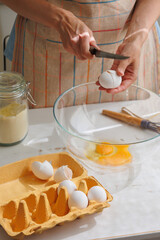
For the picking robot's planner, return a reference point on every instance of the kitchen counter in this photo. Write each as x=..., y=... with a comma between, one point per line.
x=135, y=210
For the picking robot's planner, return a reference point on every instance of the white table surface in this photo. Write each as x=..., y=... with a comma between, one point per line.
x=135, y=209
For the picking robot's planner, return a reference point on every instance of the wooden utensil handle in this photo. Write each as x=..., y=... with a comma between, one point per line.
x=123, y=117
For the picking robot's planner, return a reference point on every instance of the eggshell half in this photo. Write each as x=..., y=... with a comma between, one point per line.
x=63, y=173
x=110, y=79
x=42, y=170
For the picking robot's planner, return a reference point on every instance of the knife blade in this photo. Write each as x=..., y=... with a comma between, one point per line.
x=102, y=54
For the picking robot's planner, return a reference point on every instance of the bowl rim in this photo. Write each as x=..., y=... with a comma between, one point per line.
x=98, y=142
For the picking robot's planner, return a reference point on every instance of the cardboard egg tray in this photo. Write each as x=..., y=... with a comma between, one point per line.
x=29, y=205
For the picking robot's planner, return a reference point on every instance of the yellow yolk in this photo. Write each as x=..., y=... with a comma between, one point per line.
x=104, y=150
x=106, y=154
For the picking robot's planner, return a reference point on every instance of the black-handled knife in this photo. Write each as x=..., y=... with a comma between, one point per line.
x=102, y=54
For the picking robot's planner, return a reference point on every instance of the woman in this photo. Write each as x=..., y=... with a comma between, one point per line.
x=52, y=41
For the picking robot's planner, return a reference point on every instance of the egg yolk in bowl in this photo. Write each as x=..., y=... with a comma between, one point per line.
x=106, y=154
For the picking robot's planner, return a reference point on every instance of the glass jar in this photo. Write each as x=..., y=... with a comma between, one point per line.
x=13, y=108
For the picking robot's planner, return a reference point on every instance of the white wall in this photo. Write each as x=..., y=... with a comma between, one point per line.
x=7, y=17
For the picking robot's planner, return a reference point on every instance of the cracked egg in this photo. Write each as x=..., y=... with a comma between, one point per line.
x=107, y=154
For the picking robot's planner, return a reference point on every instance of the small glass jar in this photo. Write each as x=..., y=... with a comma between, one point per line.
x=13, y=108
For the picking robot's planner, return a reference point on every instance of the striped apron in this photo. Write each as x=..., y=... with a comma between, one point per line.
x=39, y=54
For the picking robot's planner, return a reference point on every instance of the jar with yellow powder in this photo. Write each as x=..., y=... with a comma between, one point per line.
x=13, y=108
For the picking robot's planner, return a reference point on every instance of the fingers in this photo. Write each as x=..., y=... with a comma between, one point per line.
x=121, y=67
x=97, y=83
x=93, y=43
x=76, y=36
x=129, y=76
x=127, y=69
x=84, y=42
x=80, y=45
x=76, y=48
x=124, y=85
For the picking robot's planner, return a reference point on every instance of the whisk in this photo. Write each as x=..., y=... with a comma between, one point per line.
x=135, y=121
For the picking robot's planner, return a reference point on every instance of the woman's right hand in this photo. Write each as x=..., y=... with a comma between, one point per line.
x=76, y=36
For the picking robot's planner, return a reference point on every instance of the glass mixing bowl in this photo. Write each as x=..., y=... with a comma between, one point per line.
x=96, y=140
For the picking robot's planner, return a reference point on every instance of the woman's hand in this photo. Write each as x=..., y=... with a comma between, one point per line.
x=127, y=69
x=76, y=36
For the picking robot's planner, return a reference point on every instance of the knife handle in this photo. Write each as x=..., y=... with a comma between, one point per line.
x=92, y=50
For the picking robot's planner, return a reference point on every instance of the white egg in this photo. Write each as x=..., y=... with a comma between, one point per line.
x=97, y=194
x=63, y=173
x=110, y=79
x=42, y=170
x=71, y=187
x=78, y=199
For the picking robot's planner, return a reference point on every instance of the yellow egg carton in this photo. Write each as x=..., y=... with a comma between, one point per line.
x=29, y=205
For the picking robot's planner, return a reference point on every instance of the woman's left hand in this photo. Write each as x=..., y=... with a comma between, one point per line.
x=127, y=69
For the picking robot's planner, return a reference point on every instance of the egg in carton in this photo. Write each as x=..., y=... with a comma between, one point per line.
x=30, y=205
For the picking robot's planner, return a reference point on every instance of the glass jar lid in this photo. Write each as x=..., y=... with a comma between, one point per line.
x=12, y=84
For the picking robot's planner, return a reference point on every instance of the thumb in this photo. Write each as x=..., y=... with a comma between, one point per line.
x=93, y=43
x=121, y=67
